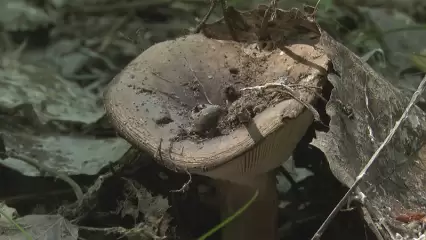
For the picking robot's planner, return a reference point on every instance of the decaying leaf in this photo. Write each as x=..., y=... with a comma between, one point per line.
x=7, y=213
x=35, y=106
x=395, y=184
x=153, y=208
x=42, y=227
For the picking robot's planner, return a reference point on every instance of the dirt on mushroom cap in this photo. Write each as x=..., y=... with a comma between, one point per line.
x=169, y=80
x=248, y=66
x=249, y=103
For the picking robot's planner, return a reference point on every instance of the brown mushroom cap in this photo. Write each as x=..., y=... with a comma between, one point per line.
x=156, y=85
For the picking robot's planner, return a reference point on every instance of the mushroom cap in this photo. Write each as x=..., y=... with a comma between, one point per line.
x=159, y=84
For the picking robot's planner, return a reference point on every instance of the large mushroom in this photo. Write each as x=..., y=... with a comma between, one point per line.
x=207, y=105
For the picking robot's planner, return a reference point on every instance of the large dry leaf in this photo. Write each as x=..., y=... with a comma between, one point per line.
x=363, y=108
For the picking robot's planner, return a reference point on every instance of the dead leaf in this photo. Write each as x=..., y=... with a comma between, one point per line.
x=36, y=105
x=11, y=213
x=40, y=227
x=395, y=183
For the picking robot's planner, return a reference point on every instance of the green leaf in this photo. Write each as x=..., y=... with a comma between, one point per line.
x=419, y=60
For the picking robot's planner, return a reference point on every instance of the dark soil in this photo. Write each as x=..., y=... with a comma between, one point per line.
x=238, y=105
x=247, y=106
x=241, y=107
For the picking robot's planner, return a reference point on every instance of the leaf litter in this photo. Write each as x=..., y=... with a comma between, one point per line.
x=34, y=111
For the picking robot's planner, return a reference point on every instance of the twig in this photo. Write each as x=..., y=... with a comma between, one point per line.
x=80, y=208
x=88, y=202
x=316, y=8
x=263, y=32
x=333, y=214
x=206, y=17
x=77, y=190
x=185, y=186
x=388, y=229
x=310, y=88
x=224, y=6
x=369, y=220
x=159, y=150
x=198, y=80
x=290, y=92
x=370, y=114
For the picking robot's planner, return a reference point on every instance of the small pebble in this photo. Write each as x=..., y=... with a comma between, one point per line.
x=206, y=117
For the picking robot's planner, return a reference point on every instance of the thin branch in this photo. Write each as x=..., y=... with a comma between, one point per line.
x=228, y=22
x=404, y=116
x=267, y=16
x=291, y=93
x=185, y=186
x=206, y=17
x=369, y=220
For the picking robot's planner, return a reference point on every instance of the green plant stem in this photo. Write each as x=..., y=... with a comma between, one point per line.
x=16, y=225
x=230, y=218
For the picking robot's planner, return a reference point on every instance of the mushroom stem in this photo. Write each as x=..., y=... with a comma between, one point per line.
x=260, y=220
